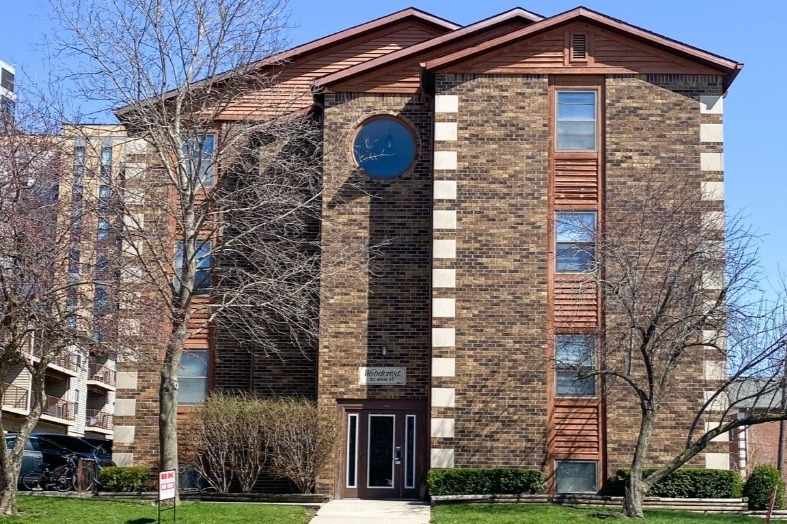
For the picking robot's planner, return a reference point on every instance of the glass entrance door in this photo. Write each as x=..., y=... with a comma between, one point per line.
x=381, y=456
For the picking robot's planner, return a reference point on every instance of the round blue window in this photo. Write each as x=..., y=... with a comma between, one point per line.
x=384, y=147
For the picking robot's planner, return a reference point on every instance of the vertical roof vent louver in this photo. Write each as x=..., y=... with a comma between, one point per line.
x=579, y=46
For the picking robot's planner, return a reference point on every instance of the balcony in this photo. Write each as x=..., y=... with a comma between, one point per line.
x=58, y=410
x=96, y=420
x=102, y=376
x=66, y=361
x=15, y=398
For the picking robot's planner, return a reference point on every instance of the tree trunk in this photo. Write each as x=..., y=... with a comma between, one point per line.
x=168, y=403
x=8, y=493
x=636, y=488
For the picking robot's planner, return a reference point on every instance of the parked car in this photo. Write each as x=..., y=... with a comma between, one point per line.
x=32, y=458
x=55, y=445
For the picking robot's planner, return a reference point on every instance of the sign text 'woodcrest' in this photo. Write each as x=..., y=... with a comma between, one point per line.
x=382, y=376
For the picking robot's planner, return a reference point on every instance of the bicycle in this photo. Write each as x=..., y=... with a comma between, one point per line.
x=62, y=478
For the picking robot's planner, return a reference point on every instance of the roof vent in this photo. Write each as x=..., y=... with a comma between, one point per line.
x=579, y=46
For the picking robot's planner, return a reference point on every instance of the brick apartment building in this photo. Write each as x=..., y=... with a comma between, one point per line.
x=472, y=146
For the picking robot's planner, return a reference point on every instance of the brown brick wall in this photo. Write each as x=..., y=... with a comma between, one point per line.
x=652, y=131
x=387, y=304
x=501, y=271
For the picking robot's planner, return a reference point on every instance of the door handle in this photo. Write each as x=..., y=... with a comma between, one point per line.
x=398, y=454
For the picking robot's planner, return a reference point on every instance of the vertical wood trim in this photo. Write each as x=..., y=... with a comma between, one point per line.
x=550, y=317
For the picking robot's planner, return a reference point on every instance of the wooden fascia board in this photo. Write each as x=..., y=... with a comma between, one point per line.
x=410, y=52
x=719, y=63
x=322, y=43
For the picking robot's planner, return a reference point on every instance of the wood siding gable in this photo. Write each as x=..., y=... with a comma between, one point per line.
x=290, y=88
x=606, y=53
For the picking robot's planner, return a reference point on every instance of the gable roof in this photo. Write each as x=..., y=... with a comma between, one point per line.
x=409, y=14
x=725, y=66
x=414, y=50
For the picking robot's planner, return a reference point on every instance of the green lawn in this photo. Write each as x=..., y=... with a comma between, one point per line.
x=46, y=510
x=553, y=514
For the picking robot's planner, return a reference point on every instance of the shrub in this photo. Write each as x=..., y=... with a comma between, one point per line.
x=303, y=439
x=484, y=481
x=760, y=485
x=686, y=483
x=226, y=439
x=124, y=479
x=236, y=437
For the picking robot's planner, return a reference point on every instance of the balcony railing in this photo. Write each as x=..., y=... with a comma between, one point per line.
x=59, y=408
x=14, y=396
x=66, y=359
x=98, y=419
x=102, y=374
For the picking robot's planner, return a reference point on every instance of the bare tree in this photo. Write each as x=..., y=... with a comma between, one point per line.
x=681, y=292
x=49, y=314
x=222, y=203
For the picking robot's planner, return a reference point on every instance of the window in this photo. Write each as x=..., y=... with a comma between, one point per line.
x=193, y=377
x=73, y=261
x=198, y=152
x=574, y=359
x=104, y=196
x=103, y=229
x=202, y=278
x=100, y=298
x=575, y=234
x=79, y=160
x=7, y=79
x=575, y=476
x=106, y=163
x=384, y=147
x=576, y=121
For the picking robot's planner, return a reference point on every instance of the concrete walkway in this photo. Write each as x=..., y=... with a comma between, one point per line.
x=354, y=511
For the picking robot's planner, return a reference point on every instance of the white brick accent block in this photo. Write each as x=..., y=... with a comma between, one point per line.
x=444, y=278
x=711, y=105
x=446, y=104
x=715, y=370
x=136, y=146
x=713, y=220
x=444, y=249
x=717, y=461
x=125, y=407
x=711, y=162
x=445, y=160
x=442, y=458
x=445, y=189
x=711, y=133
x=126, y=379
x=134, y=171
x=123, y=459
x=444, y=307
x=712, y=280
x=124, y=434
x=443, y=337
x=445, y=131
x=713, y=190
x=443, y=428
x=720, y=403
x=444, y=219
x=443, y=367
x=443, y=397
x=724, y=437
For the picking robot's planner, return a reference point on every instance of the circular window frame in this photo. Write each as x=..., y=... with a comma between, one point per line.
x=406, y=125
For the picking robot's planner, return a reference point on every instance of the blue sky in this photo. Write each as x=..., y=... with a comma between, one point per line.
x=749, y=32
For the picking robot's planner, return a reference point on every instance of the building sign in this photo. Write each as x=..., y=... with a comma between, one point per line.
x=166, y=485
x=382, y=376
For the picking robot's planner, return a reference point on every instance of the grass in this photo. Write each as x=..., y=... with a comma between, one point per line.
x=52, y=510
x=554, y=514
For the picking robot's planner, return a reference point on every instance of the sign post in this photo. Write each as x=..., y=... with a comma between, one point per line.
x=167, y=488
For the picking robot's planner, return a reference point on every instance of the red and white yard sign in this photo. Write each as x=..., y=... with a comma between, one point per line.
x=166, y=485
